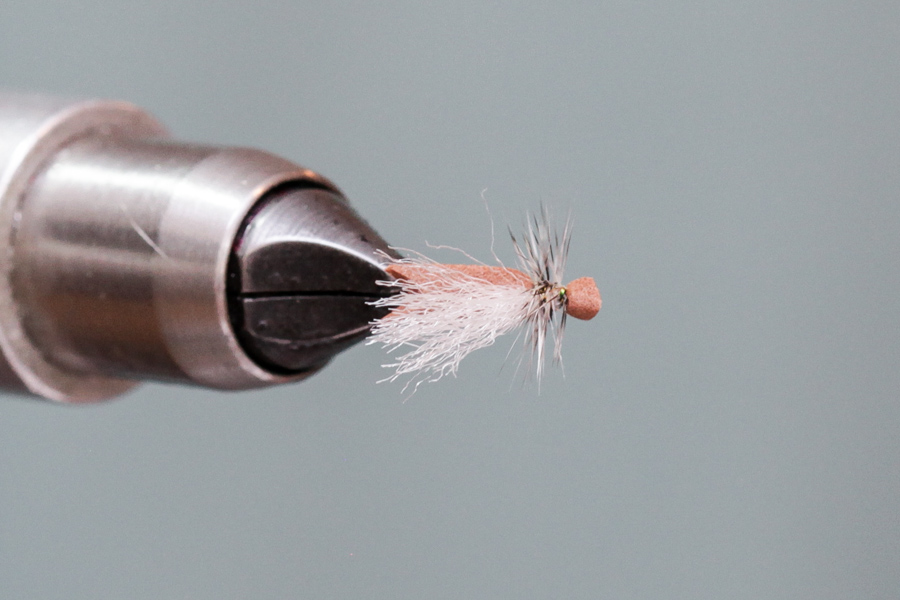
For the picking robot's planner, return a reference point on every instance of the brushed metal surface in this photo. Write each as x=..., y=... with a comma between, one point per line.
x=116, y=242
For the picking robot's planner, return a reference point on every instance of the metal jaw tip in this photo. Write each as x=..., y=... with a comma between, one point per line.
x=301, y=277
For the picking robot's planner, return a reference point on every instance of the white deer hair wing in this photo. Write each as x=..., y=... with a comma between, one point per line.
x=442, y=314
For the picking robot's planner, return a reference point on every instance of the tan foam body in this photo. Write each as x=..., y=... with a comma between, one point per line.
x=583, y=296
x=584, y=299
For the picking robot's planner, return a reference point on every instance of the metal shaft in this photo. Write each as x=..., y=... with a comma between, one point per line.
x=116, y=242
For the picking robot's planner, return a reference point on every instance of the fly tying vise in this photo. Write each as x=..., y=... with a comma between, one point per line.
x=132, y=256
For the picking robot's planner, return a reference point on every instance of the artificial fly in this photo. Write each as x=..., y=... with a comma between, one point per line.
x=440, y=313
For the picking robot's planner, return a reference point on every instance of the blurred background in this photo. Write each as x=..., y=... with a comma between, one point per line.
x=729, y=425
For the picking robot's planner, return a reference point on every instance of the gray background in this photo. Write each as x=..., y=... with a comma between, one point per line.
x=729, y=426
